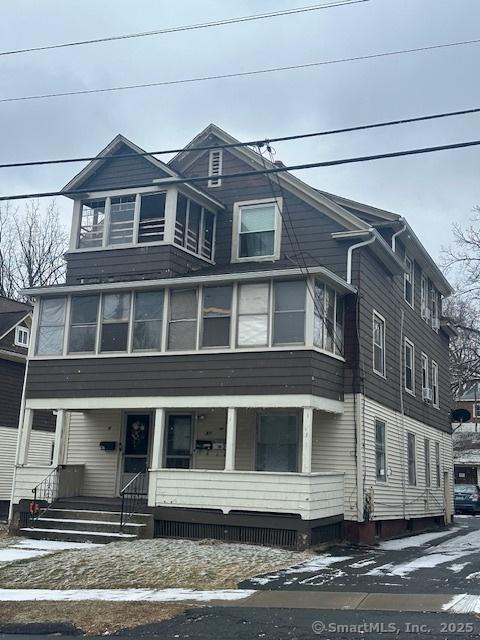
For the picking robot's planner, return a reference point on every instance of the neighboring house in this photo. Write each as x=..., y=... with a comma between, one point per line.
x=466, y=438
x=274, y=355
x=15, y=324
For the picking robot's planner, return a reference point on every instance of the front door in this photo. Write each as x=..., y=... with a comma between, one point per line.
x=179, y=442
x=136, y=446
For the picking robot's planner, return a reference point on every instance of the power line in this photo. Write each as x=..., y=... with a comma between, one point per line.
x=241, y=74
x=247, y=174
x=250, y=143
x=188, y=27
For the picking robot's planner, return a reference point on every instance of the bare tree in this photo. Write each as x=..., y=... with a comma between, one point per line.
x=465, y=347
x=32, y=244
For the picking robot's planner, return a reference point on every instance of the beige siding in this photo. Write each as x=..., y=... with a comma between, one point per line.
x=395, y=498
x=39, y=454
x=27, y=478
x=245, y=452
x=334, y=450
x=86, y=430
x=210, y=425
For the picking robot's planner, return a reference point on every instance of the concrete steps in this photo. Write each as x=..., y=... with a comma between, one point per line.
x=88, y=520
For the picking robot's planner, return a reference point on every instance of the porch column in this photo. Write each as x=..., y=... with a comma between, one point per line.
x=24, y=437
x=158, y=439
x=307, y=440
x=58, y=448
x=231, y=442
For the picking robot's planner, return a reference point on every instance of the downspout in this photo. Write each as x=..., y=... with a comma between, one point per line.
x=397, y=233
x=351, y=249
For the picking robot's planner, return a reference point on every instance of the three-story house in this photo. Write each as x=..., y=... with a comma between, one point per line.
x=260, y=360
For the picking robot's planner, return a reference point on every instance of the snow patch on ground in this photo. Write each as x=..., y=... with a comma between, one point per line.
x=25, y=549
x=463, y=603
x=457, y=567
x=412, y=541
x=11, y=554
x=315, y=564
x=53, y=545
x=124, y=595
x=361, y=564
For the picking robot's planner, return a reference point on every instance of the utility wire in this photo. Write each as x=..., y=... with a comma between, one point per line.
x=188, y=27
x=241, y=74
x=257, y=172
x=251, y=143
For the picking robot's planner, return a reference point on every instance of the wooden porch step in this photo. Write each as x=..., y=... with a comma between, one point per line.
x=90, y=514
x=69, y=535
x=76, y=524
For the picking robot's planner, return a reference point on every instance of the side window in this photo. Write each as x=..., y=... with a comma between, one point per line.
x=289, y=312
x=256, y=230
x=22, y=335
x=412, y=461
x=424, y=307
x=409, y=278
x=378, y=344
x=435, y=395
x=409, y=367
x=380, y=453
x=427, y=461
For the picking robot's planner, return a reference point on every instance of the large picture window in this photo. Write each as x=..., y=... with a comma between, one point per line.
x=51, y=326
x=289, y=312
x=115, y=317
x=253, y=308
x=83, y=324
x=147, y=320
x=217, y=311
x=255, y=229
x=182, y=330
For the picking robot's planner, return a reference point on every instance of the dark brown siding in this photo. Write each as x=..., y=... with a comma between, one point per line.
x=385, y=294
x=202, y=374
x=161, y=261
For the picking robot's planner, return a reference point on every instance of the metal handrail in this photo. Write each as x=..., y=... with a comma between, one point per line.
x=44, y=491
x=133, y=495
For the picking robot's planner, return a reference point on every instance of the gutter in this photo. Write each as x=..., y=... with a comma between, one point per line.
x=352, y=248
x=397, y=233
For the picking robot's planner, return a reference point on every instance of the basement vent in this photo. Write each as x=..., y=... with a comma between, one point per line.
x=254, y=535
x=215, y=163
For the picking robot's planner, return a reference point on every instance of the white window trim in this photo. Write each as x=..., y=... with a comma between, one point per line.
x=424, y=293
x=17, y=341
x=412, y=346
x=412, y=281
x=237, y=206
x=435, y=378
x=213, y=181
x=376, y=315
x=424, y=360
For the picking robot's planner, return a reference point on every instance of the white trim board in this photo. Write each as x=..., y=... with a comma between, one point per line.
x=187, y=402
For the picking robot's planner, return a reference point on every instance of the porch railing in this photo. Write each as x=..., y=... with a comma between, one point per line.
x=64, y=481
x=134, y=497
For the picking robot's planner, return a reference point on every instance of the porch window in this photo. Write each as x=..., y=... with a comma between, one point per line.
x=277, y=443
x=194, y=227
x=51, y=326
x=83, y=324
x=92, y=222
x=151, y=225
x=328, y=321
x=122, y=213
x=182, y=331
x=217, y=311
x=411, y=457
x=289, y=312
x=380, y=456
x=115, y=316
x=147, y=320
x=253, y=308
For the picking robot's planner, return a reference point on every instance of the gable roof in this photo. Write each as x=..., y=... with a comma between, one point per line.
x=11, y=314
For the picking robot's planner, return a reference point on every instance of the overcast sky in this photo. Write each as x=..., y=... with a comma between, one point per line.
x=431, y=191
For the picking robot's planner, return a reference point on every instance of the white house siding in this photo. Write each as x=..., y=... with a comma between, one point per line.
x=395, y=498
x=86, y=429
x=334, y=450
x=39, y=454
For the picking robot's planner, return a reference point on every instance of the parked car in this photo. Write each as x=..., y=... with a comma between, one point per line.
x=467, y=498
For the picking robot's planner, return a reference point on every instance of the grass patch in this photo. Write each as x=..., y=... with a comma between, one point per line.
x=94, y=618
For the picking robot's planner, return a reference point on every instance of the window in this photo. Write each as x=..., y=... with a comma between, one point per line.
x=256, y=231
x=253, y=305
x=51, y=326
x=194, y=227
x=182, y=329
x=208, y=235
x=438, y=469
x=380, y=458
x=427, y=462
x=83, y=324
x=409, y=278
x=411, y=457
x=115, y=317
x=22, y=335
x=277, y=443
x=435, y=308
x=215, y=164
x=424, y=306
x=424, y=371
x=92, y=222
x=217, y=312
x=378, y=344
x=435, y=398
x=122, y=213
x=147, y=320
x=328, y=320
x=476, y=410
x=289, y=312
x=151, y=225
x=409, y=367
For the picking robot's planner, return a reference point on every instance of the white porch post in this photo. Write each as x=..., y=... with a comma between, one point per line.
x=24, y=437
x=230, y=445
x=158, y=439
x=57, y=457
x=307, y=440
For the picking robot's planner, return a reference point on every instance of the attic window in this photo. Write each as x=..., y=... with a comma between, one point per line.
x=21, y=336
x=215, y=162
